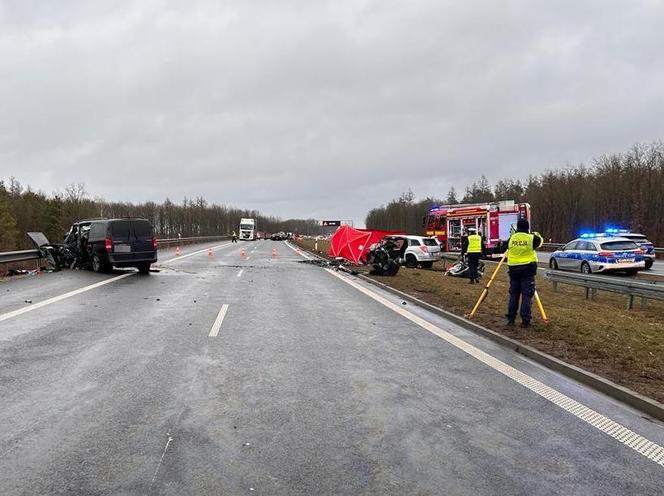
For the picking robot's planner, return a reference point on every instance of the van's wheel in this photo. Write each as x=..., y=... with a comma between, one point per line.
x=649, y=263
x=553, y=264
x=411, y=261
x=585, y=268
x=144, y=268
x=98, y=264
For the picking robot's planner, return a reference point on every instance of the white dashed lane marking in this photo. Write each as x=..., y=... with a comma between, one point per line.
x=218, y=321
x=629, y=438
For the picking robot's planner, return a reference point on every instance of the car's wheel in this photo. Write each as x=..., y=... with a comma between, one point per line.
x=553, y=264
x=427, y=265
x=649, y=263
x=98, y=265
x=585, y=268
x=144, y=268
x=411, y=261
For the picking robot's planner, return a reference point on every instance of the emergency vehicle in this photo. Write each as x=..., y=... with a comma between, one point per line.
x=494, y=221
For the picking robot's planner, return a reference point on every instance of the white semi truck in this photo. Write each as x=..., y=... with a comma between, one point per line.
x=248, y=229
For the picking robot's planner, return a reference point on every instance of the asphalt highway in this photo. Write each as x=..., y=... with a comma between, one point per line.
x=254, y=371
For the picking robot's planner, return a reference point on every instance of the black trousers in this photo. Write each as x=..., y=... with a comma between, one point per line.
x=473, y=262
x=522, y=286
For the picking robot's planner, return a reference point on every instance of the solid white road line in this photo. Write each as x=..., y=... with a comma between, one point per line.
x=61, y=297
x=218, y=321
x=239, y=274
x=55, y=299
x=629, y=438
x=300, y=252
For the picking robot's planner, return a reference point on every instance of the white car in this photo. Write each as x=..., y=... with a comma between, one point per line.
x=422, y=251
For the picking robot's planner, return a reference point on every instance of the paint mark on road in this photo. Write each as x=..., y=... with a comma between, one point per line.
x=239, y=274
x=629, y=438
x=218, y=321
x=299, y=251
x=55, y=299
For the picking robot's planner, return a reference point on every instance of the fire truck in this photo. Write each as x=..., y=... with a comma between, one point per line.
x=493, y=221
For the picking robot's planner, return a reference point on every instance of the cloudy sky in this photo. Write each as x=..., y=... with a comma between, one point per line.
x=319, y=109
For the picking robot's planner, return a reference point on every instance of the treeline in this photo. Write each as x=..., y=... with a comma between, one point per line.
x=623, y=190
x=23, y=210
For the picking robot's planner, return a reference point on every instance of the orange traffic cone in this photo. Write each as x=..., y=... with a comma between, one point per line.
x=177, y=251
x=209, y=252
x=274, y=253
x=242, y=253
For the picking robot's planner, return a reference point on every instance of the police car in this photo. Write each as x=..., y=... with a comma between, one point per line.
x=599, y=253
x=640, y=239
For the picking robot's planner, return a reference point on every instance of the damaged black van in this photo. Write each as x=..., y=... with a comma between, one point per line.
x=102, y=244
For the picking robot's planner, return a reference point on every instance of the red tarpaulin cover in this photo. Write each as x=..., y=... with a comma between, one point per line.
x=353, y=244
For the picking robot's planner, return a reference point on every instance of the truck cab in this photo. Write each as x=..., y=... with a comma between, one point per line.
x=247, y=229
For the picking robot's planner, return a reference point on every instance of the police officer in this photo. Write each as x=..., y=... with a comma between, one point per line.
x=234, y=238
x=473, y=246
x=522, y=263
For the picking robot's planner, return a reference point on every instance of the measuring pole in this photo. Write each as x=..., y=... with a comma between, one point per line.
x=541, y=308
x=485, y=292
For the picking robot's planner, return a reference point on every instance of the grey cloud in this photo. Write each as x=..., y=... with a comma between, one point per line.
x=319, y=109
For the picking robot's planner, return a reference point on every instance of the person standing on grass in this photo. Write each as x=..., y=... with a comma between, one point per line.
x=522, y=268
x=473, y=247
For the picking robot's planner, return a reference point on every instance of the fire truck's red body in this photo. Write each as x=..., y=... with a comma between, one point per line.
x=492, y=220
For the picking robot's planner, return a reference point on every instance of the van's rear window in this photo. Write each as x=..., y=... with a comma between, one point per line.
x=120, y=229
x=142, y=229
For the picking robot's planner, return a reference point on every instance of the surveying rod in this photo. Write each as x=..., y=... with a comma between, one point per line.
x=541, y=307
x=485, y=292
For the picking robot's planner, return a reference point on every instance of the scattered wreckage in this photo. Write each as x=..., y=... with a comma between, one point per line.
x=387, y=256
x=57, y=256
x=460, y=268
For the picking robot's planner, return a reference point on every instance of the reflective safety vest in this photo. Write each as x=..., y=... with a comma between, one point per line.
x=520, y=250
x=474, y=243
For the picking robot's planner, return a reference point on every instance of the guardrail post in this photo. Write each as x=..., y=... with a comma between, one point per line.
x=587, y=292
x=555, y=286
x=644, y=302
x=630, y=302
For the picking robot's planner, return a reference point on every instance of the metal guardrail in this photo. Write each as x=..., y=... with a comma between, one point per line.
x=19, y=256
x=593, y=283
x=26, y=255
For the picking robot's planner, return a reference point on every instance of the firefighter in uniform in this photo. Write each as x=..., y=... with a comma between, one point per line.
x=473, y=246
x=522, y=266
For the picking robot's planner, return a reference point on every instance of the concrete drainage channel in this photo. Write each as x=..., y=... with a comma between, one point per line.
x=642, y=403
